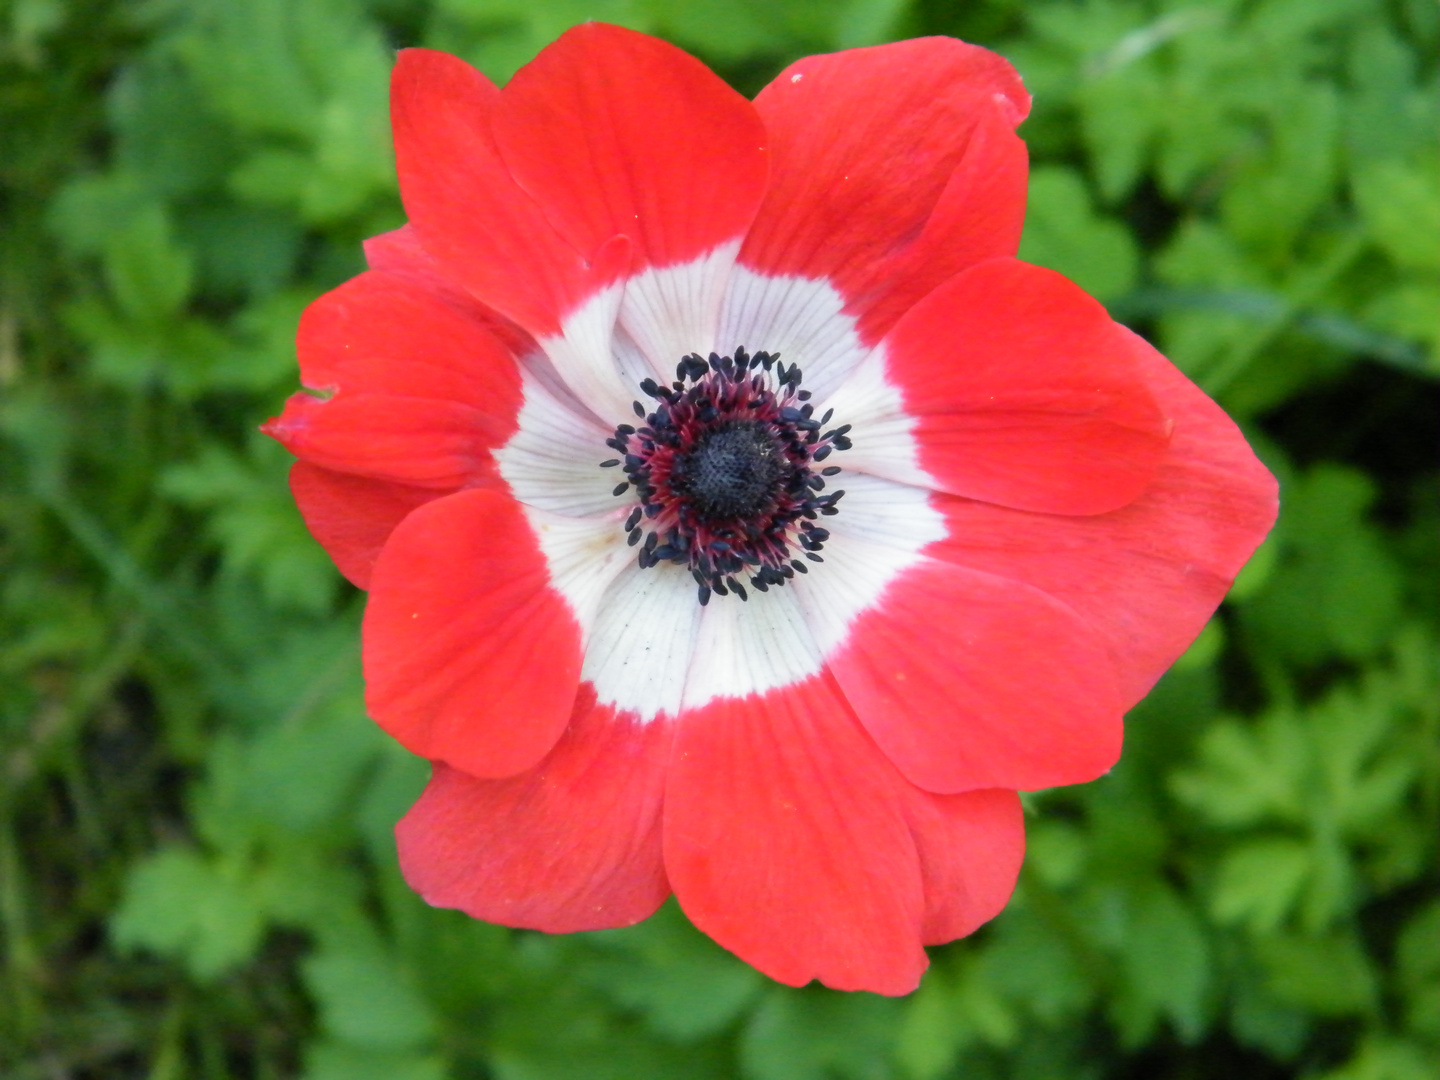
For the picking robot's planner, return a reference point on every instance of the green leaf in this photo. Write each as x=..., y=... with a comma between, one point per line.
x=338, y=1061
x=1165, y=966
x=1331, y=976
x=85, y=211
x=1381, y=1058
x=817, y=1034
x=731, y=29
x=499, y=36
x=723, y=28
x=1411, y=308
x=549, y=1028
x=1248, y=775
x=365, y=998
x=956, y=1007
x=392, y=790
x=1202, y=254
x=261, y=352
x=150, y=275
x=272, y=177
x=1034, y=966
x=1094, y=55
x=1336, y=590
x=684, y=984
x=248, y=59
x=1255, y=574
x=166, y=138
x=31, y=22
x=148, y=272
x=1260, y=1020
x=930, y=1035
x=301, y=884
x=176, y=354
x=179, y=905
x=1204, y=650
x=1417, y=965
x=1056, y=852
x=1206, y=114
x=1399, y=202
x=353, y=155
x=1387, y=114
x=304, y=772
x=255, y=522
x=868, y=22
x=1272, y=196
x=241, y=251
x=1261, y=882
x=1063, y=232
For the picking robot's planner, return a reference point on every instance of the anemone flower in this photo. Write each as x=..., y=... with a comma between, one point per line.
x=740, y=517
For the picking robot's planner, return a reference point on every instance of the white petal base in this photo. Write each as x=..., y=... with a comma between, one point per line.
x=651, y=649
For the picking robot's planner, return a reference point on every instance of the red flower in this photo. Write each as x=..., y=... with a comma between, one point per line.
x=805, y=715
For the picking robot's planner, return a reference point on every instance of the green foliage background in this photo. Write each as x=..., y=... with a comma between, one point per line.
x=197, y=874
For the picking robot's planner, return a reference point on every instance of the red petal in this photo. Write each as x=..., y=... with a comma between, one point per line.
x=352, y=516
x=398, y=254
x=1148, y=576
x=971, y=681
x=380, y=334
x=971, y=847
x=785, y=841
x=614, y=132
x=893, y=168
x=1025, y=392
x=471, y=657
x=470, y=215
x=421, y=390
x=572, y=844
x=979, y=216
x=435, y=444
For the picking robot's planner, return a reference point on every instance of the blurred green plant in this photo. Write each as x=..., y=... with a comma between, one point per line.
x=197, y=875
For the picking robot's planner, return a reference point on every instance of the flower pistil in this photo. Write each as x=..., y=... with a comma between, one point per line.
x=727, y=473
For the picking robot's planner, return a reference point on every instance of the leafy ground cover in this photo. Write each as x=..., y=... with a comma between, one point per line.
x=196, y=869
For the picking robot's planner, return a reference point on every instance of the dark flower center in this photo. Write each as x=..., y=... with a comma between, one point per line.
x=726, y=473
x=733, y=471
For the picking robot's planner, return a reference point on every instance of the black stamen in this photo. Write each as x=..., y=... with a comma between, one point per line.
x=725, y=472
